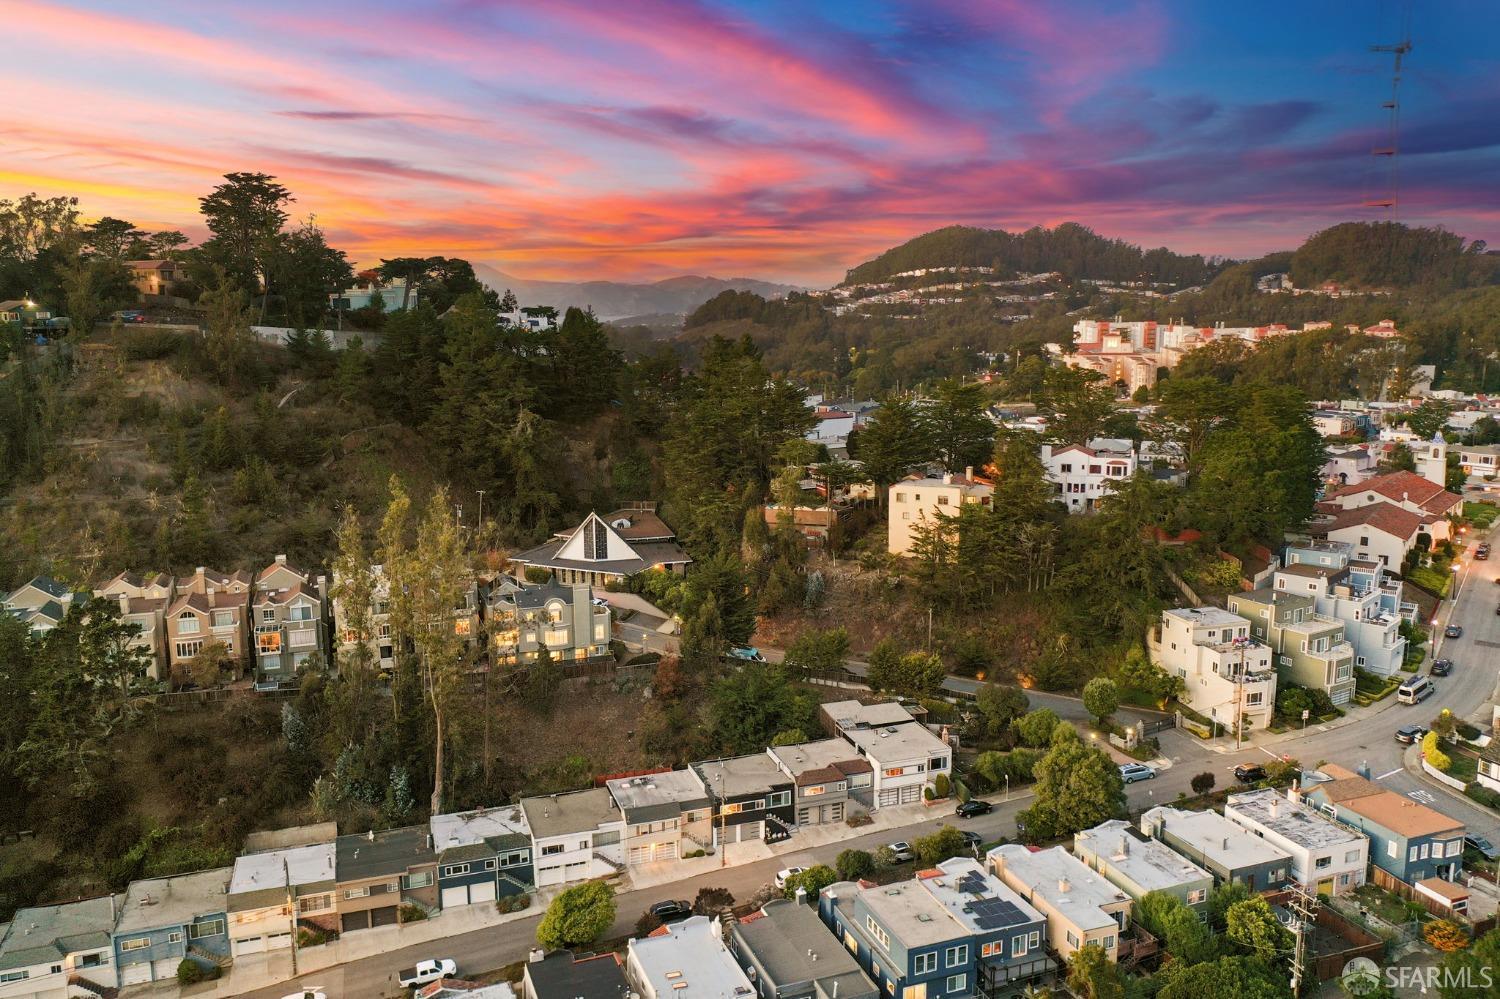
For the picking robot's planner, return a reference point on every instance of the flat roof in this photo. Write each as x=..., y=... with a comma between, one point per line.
x=562, y=975
x=45, y=934
x=576, y=811
x=895, y=741
x=174, y=901
x=1064, y=881
x=1307, y=827
x=958, y=884
x=826, y=759
x=1213, y=838
x=471, y=828
x=660, y=795
x=1215, y=617
x=909, y=912
x=847, y=714
x=690, y=961
x=791, y=943
x=742, y=775
x=379, y=854
x=283, y=839
x=302, y=865
x=1152, y=865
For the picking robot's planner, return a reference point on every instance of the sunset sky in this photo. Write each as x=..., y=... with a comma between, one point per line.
x=639, y=139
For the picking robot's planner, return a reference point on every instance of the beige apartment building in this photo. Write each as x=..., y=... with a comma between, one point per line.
x=918, y=500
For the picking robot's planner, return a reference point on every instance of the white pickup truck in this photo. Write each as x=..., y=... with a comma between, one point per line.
x=427, y=971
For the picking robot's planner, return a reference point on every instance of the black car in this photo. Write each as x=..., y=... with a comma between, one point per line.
x=972, y=839
x=1409, y=734
x=1453, y=631
x=1441, y=667
x=1249, y=773
x=1483, y=551
x=671, y=911
x=972, y=807
x=1483, y=845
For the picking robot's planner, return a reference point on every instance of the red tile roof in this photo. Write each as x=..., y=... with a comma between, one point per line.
x=1386, y=517
x=1403, y=487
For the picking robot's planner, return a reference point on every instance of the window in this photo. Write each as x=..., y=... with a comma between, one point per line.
x=174, y=937
x=1108, y=943
x=555, y=636
x=808, y=792
x=995, y=948
x=1352, y=857
x=1254, y=698
x=421, y=879
x=315, y=903
x=187, y=650
x=1072, y=940
x=135, y=943
x=1323, y=862
x=552, y=849
x=955, y=956
x=895, y=771
x=1197, y=896
x=300, y=613
x=1018, y=946
x=14, y=976
x=187, y=624
x=1455, y=848
x=732, y=808
x=924, y=964
x=942, y=501
x=356, y=892
x=1034, y=939
x=938, y=763
x=210, y=928
x=514, y=857
x=268, y=643
x=779, y=799
x=878, y=933
x=1067, y=468
x=268, y=614
x=1391, y=850
x=454, y=870
x=957, y=983
x=223, y=619
x=489, y=865
x=900, y=497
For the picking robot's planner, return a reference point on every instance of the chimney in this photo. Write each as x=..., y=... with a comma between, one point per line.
x=1064, y=885
x=1225, y=844
x=124, y=604
x=535, y=955
x=281, y=560
x=947, y=478
x=1275, y=808
x=969, y=472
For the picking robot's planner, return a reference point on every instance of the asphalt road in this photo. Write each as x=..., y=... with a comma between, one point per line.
x=1370, y=741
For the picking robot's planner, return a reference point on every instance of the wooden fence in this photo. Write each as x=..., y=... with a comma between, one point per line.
x=1362, y=943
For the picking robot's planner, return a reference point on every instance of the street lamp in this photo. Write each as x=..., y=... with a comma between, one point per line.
x=1007, y=787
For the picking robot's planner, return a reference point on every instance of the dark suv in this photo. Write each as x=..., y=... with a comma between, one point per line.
x=1249, y=773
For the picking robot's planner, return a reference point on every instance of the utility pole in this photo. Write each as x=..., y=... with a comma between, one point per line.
x=1304, y=907
x=291, y=908
x=481, y=510
x=1239, y=695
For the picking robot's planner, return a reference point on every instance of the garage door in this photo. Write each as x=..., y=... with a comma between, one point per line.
x=455, y=896
x=838, y=812
x=484, y=892
x=166, y=968
x=639, y=855
x=888, y=796
x=387, y=916
x=548, y=876
x=249, y=945
x=276, y=941
x=354, y=921
x=911, y=794
x=751, y=830
x=135, y=974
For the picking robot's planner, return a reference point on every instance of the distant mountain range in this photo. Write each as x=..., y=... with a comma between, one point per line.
x=618, y=299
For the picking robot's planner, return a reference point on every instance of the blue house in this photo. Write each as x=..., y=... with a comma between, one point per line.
x=482, y=855
x=164, y=920
x=954, y=930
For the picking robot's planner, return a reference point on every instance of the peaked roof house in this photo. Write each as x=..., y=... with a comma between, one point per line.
x=60, y=950
x=608, y=549
x=42, y=603
x=789, y=954
x=164, y=920
x=290, y=610
x=143, y=603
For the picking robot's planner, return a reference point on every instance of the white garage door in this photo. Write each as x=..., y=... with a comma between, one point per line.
x=455, y=896
x=888, y=796
x=166, y=968
x=135, y=974
x=249, y=945
x=751, y=830
x=911, y=794
x=549, y=876
x=484, y=892
x=275, y=941
x=639, y=855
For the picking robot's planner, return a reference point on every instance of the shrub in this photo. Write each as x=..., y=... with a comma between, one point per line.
x=311, y=936
x=885, y=858
x=946, y=843
x=942, y=786
x=189, y=972
x=649, y=923
x=1445, y=935
x=1204, y=782
x=813, y=881
x=1035, y=727
x=409, y=913
x=1435, y=757
x=712, y=901
x=511, y=903
x=854, y=864
x=577, y=916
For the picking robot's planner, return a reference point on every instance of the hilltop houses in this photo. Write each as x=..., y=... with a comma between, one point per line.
x=608, y=549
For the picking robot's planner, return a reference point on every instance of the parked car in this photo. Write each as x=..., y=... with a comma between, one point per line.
x=1483, y=845
x=745, y=653
x=1483, y=551
x=671, y=911
x=1409, y=734
x=972, y=839
x=1132, y=772
x=1441, y=667
x=782, y=877
x=1249, y=773
x=427, y=971
x=130, y=316
x=1453, y=631
x=903, y=852
x=972, y=807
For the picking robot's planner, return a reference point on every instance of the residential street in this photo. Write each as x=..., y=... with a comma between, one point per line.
x=1366, y=736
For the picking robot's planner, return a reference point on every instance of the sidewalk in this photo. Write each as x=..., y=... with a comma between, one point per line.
x=1353, y=715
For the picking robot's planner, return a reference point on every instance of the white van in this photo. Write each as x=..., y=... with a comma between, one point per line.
x=1415, y=690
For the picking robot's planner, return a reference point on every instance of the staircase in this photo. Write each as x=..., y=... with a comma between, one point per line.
x=618, y=867
x=92, y=987
x=220, y=961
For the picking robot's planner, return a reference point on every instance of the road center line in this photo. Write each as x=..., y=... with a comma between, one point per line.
x=1388, y=773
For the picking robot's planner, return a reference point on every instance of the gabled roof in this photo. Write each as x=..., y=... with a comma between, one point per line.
x=285, y=595
x=1385, y=517
x=1403, y=487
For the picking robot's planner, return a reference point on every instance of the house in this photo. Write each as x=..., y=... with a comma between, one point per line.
x=482, y=854
x=1138, y=865
x=209, y=608
x=144, y=603
x=379, y=872
x=1421, y=494
x=1311, y=649
x=1228, y=851
x=1349, y=465
x=660, y=810
x=390, y=296
x=165, y=920
x=289, y=609
x=830, y=780
x=1081, y=907
x=60, y=950
x=788, y=953
x=841, y=717
x=752, y=799
x=609, y=549
x=951, y=931
x=1226, y=674
x=154, y=277
x=1326, y=856
x=1482, y=460
x=1085, y=475
x=273, y=892
x=917, y=500
x=1334, y=423
x=1381, y=532
x=905, y=759
x=686, y=960
x=575, y=836
x=380, y=642
x=1357, y=592
x=565, y=620
x=42, y=603
x=1409, y=841
x=562, y=975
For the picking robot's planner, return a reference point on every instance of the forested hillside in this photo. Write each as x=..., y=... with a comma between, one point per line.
x=1073, y=249
x=1390, y=255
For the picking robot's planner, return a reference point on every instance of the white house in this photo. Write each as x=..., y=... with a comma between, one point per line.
x=1482, y=460
x=918, y=500
x=905, y=758
x=1326, y=857
x=1358, y=593
x=47, y=946
x=270, y=892
x=1349, y=464
x=574, y=836
x=1226, y=673
x=1381, y=532
x=1083, y=475
x=688, y=961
